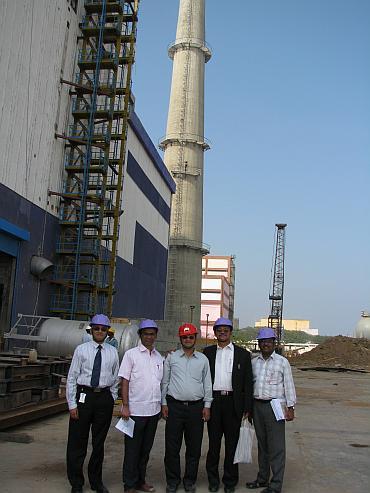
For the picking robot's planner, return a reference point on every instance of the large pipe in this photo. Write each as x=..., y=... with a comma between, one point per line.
x=63, y=336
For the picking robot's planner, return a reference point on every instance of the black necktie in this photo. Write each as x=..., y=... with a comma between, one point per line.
x=95, y=375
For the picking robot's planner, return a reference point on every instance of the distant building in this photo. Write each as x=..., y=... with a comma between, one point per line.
x=291, y=324
x=218, y=288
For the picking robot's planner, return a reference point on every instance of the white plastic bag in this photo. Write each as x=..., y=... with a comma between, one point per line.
x=243, y=452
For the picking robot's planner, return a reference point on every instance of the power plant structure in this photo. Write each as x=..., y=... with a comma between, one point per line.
x=184, y=146
x=85, y=197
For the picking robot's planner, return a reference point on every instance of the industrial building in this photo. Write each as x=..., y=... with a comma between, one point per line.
x=290, y=325
x=65, y=100
x=218, y=288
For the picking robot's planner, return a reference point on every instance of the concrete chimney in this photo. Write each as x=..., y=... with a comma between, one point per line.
x=184, y=147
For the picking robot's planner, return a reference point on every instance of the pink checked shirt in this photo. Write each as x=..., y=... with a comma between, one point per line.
x=144, y=370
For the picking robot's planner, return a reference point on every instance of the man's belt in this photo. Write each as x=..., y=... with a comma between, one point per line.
x=184, y=403
x=222, y=393
x=263, y=401
x=86, y=389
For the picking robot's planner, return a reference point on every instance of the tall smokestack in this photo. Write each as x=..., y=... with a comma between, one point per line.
x=184, y=146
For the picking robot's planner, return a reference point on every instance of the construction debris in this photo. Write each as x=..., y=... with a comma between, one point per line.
x=337, y=353
x=25, y=380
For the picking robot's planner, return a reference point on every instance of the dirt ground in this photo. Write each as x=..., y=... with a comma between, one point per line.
x=328, y=445
x=337, y=352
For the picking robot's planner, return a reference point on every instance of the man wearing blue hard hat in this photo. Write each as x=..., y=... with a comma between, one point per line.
x=141, y=373
x=273, y=379
x=231, y=373
x=92, y=385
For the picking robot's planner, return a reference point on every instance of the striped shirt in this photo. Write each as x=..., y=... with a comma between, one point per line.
x=187, y=378
x=81, y=369
x=273, y=379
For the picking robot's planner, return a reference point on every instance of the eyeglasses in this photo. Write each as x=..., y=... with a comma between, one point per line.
x=266, y=341
x=98, y=328
x=191, y=337
x=222, y=329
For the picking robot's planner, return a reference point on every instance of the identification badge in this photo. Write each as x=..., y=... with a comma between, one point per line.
x=82, y=398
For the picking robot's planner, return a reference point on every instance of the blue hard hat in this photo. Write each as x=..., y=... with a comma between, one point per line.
x=223, y=321
x=266, y=333
x=100, y=319
x=148, y=324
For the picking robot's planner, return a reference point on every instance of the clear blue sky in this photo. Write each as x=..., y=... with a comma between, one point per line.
x=288, y=114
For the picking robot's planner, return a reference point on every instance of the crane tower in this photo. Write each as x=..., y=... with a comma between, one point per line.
x=275, y=319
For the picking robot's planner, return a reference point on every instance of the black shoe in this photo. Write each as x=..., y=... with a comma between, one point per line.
x=100, y=489
x=171, y=489
x=213, y=487
x=76, y=490
x=229, y=489
x=268, y=490
x=189, y=487
x=256, y=484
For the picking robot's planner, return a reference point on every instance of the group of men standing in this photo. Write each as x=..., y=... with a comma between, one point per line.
x=220, y=386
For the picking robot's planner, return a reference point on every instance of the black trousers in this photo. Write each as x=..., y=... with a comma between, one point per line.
x=271, y=445
x=95, y=413
x=224, y=421
x=183, y=421
x=137, y=450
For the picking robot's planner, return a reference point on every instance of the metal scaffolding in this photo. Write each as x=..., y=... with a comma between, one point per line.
x=94, y=160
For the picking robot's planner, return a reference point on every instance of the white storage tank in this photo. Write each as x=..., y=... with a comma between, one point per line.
x=63, y=336
x=363, y=326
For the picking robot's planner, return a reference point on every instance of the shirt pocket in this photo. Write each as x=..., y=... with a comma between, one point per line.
x=158, y=371
x=273, y=377
x=196, y=373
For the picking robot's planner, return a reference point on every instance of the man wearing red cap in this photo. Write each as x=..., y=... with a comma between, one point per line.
x=232, y=381
x=141, y=372
x=92, y=385
x=272, y=380
x=186, y=400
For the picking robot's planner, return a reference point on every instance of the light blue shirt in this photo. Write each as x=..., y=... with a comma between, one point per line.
x=187, y=378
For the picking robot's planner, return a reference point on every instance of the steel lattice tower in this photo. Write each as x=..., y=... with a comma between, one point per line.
x=275, y=319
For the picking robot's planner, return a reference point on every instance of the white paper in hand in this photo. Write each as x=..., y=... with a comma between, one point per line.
x=126, y=426
x=278, y=409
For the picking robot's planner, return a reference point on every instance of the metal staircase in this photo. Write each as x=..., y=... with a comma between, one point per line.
x=94, y=160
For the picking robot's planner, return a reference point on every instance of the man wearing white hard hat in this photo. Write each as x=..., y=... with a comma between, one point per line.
x=273, y=379
x=92, y=385
x=141, y=373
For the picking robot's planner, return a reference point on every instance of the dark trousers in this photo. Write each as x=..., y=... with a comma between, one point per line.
x=95, y=413
x=137, y=450
x=224, y=421
x=183, y=421
x=271, y=445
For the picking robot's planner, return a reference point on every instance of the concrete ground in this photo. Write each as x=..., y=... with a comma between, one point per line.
x=328, y=445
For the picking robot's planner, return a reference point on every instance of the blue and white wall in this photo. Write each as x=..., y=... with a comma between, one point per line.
x=143, y=244
x=34, y=105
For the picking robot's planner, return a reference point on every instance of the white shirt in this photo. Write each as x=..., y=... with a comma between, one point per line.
x=273, y=379
x=144, y=370
x=81, y=369
x=224, y=367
